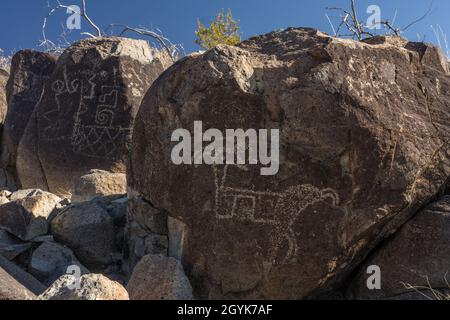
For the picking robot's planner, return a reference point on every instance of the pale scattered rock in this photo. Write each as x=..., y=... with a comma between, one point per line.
x=26, y=218
x=157, y=277
x=51, y=260
x=99, y=183
x=91, y=287
x=3, y=200
x=5, y=193
x=24, y=193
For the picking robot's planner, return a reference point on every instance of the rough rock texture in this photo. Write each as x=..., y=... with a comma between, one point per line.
x=51, y=260
x=92, y=287
x=24, y=278
x=27, y=218
x=3, y=100
x=29, y=70
x=24, y=193
x=157, y=277
x=99, y=183
x=419, y=251
x=10, y=246
x=149, y=236
x=85, y=117
x=364, y=143
x=10, y=289
x=3, y=109
x=92, y=230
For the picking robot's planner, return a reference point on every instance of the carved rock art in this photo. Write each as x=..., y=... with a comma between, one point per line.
x=84, y=118
x=364, y=142
x=249, y=205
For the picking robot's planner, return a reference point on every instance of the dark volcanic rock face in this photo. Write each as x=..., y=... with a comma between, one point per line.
x=85, y=117
x=364, y=142
x=29, y=70
x=418, y=255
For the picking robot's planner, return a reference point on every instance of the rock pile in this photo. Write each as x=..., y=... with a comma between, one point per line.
x=104, y=213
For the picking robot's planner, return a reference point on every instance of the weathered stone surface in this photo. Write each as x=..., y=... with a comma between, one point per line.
x=24, y=193
x=26, y=218
x=29, y=70
x=146, y=233
x=92, y=287
x=3, y=100
x=364, y=142
x=158, y=277
x=88, y=230
x=418, y=255
x=10, y=289
x=3, y=200
x=51, y=260
x=99, y=183
x=24, y=278
x=10, y=246
x=86, y=113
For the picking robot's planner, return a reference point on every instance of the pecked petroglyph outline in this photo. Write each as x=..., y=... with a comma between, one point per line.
x=292, y=202
x=101, y=138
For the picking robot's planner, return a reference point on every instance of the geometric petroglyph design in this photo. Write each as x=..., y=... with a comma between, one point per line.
x=98, y=141
x=94, y=133
x=277, y=209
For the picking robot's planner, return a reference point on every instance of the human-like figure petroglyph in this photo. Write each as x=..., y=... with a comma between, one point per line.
x=277, y=209
x=93, y=136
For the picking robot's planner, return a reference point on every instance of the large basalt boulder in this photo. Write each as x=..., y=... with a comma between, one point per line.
x=89, y=287
x=417, y=256
x=29, y=71
x=364, y=143
x=85, y=117
x=93, y=230
x=52, y=260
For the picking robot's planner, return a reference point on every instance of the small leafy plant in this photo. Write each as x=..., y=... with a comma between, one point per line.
x=224, y=30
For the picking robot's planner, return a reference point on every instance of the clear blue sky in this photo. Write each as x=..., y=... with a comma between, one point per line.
x=21, y=20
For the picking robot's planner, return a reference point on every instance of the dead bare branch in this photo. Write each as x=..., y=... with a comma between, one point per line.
x=358, y=30
x=89, y=20
x=174, y=51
